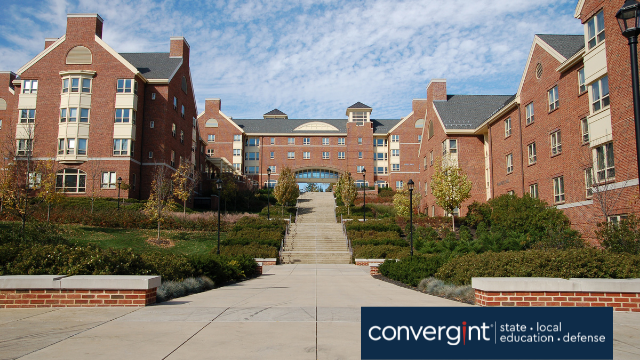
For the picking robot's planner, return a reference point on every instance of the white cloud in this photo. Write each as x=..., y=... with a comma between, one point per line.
x=313, y=59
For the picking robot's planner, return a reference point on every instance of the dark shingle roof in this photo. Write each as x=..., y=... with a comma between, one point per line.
x=566, y=45
x=469, y=111
x=153, y=65
x=287, y=126
x=383, y=126
x=359, y=105
x=275, y=112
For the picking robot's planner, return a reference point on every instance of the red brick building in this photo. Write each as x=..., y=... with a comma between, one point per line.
x=100, y=114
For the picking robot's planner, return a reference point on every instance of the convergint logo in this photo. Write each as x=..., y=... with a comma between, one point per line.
x=452, y=335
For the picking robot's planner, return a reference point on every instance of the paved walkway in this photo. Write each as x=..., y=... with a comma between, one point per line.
x=291, y=312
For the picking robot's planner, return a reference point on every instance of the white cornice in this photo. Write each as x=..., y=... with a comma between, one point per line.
x=571, y=61
x=498, y=114
x=44, y=52
x=158, y=81
x=296, y=134
x=578, y=9
x=546, y=47
x=77, y=72
x=119, y=57
x=400, y=123
x=231, y=121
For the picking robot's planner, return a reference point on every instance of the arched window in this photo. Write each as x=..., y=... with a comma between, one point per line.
x=3, y=104
x=71, y=181
x=211, y=123
x=419, y=123
x=79, y=55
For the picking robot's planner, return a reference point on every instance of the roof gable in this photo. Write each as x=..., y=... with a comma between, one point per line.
x=359, y=105
x=565, y=45
x=468, y=112
x=154, y=65
x=537, y=41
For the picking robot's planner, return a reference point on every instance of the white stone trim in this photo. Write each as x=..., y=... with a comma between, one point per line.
x=575, y=204
x=44, y=53
x=118, y=57
x=618, y=185
x=539, y=284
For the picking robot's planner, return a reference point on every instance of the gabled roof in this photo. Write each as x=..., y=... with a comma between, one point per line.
x=469, y=111
x=383, y=126
x=566, y=45
x=275, y=112
x=359, y=105
x=154, y=65
x=285, y=126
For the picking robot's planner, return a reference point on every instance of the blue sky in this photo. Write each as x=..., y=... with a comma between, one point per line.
x=313, y=58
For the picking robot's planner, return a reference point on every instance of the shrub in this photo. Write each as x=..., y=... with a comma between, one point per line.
x=253, y=250
x=175, y=289
x=222, y=269
x=411, y=270
x=380, y=252
x=578, y=263
x=621, y=238
x=374, y=225
x=269, y=237
x=437, y=287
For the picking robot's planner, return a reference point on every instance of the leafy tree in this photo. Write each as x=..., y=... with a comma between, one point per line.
x=348, y=191
x=312, y=187
x=160, y=202
x=621, y=238
x=337, y=189
x=401, y=201
x=450, y=186
x=185, y=181
x=229, y=188
x=45, y=181
x=286, y=190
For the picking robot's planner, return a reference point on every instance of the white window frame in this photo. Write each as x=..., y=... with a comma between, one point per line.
x=529, y=113
x=556, y=142
x=399, y=184
x=24, y=147
x=533, y=190
x=291, y=155
x=558, y=190
x=29, y=86
x=27, y=116
x=584, y=124
x=272, y=155
x=588, y=182
x=237, y=152
x=291, y=141
x=306, y=141
x=108, y=180
x=123, y=116
x=395, y=138
x=419, y=138
x=360, y=155
x=341, y=141
x=306, y=155
x=507, y=127
x=120, y=147
x=81, y=178
x=359, y=169
x=532, y=152
x=381, y=156
x=395, y=152
x=604, y=162
x=509, y=163
x=210, y=152
x=600, y=94
x=341, y=155
x=126, y=86
x=582, y=84
x=395, y=167
x=237, y=137
x=211, y=138
x=553, y=97
x=325, y=155
x=594, y=30
x=325, y=141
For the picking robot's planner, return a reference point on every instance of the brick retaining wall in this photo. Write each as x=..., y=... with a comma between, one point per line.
x=75, y=298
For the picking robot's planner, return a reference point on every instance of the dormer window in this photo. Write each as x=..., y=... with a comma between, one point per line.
x=359, y=113
x=359, y=117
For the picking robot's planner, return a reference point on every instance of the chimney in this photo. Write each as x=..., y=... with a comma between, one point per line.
x=213, y=105
x=179, y=48
x=83, y=27
x=49, y=41
x=437, y=90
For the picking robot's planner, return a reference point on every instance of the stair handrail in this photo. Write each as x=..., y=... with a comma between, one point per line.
x=296, y=211
x=283, y=241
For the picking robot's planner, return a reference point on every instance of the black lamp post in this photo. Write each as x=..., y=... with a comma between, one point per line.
x=364, y=194
x=219, y=186
x=268, y=191
x=629, y=21
x=410, y=185
x=119, y=183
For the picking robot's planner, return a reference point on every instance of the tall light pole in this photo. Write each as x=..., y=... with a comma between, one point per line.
x=410, y=185
x=268, y=191
x=364, y=194
x=629, y=21
x=219, y=186
x=119, y=183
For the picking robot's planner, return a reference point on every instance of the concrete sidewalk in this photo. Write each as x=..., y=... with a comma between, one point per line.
x=291, y=312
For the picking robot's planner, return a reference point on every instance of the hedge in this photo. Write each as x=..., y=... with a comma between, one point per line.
x=571, y=263
x=411, y=270
x=252, y=250
x=380, y=252
x=374, y=225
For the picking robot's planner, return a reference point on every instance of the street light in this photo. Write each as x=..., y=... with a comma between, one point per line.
x=364, y=194
x=119, y=183
x=219, y=187
x=268, y=191
x=629, y=21
x=410, y=185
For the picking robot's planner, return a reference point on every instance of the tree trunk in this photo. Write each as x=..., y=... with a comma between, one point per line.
x=48, y=211
x=453, y=222
x=92, y=200
x=184, y=209
x=158, y=231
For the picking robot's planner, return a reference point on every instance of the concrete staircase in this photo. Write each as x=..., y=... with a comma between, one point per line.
x=316, y=237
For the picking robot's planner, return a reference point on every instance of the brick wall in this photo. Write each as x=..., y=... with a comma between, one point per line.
x=76, y=298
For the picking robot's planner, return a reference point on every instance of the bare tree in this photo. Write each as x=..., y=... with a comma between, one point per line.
x=160, y=203
x=604, y=192
x=185, y=182
x=44, y=180
x=94, y=170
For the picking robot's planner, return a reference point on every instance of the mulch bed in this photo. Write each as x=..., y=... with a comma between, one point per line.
x=401, y=284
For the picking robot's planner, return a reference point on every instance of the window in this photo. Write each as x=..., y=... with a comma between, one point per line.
x=582, y=86
x=237, y=152
x=25, y=146
x=153, y=96
x=236, y=167
x=35, y=180
x=558, y=189
x=585, y=130
x=381, y=156
x=359, y=154
x=554, y=102
x=325, y=155
x=291, y=141
x=380, y=170
x=450, y=145
x=359, y=169
x=395, y=152
x=273, y=141
x=600, y=94
x=341, y=141
x=122, y=115
x=272, y=155
x=419, y=138
x=399, y=185
x=71, y=146
x=27, y=116
x=237, y=137
x=325, y=141
x=182, y=111
x=431, y=158
x=252, y=156
x=108, y=180
x=341, y=155
x=252, y=169
x=359, y=117
x=531, y=149
x=511, y=192
x=82, y=147
x=306, y=141
x=181, y=137
x=379, y=142
x=306, y=155
x=126, y=86
x=604, y=162
x=75, y=85
x=211, y=138
x=359, y=141
x=210, y=152
x=291, y=155
x=71, y=181
x=616, y=219
x=533, y=190
x=173, y=130
x=529, y=113
x=556, y=143
x=588, y=182
x=509, y=160
x=84, y=115
x=507, y=127
x=595, y=30
x=430, y=129
x=395, y=138
x=175, y=103
x=30, y=86
x=395, y=167
x=120, y=146
x=173, y=158
x=272, y=168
